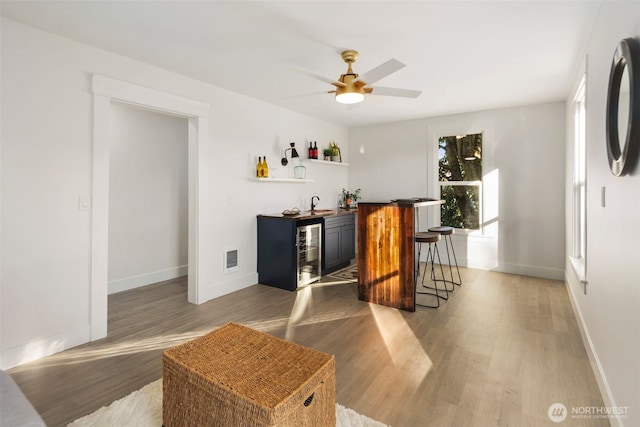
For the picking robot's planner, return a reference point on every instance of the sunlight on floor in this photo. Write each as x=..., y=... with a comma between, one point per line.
x=303, y=298
x=404, y=348
x=95, y=351
x=300, y=315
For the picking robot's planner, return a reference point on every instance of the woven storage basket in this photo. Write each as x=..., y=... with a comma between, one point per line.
x=237, y=376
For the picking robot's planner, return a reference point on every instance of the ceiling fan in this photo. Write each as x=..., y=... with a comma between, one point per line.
x=351, y=88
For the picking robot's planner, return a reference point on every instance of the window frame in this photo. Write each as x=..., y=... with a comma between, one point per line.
x=478, y=184
x=579, y=187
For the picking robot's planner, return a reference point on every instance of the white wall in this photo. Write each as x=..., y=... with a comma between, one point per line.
x=46, y=165
x=523, y=167
x=609, y=311
x=148, y=197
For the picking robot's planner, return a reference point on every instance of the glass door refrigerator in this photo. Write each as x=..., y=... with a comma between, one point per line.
x=309, y=245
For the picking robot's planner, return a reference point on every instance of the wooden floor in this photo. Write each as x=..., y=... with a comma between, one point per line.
x=498, y=353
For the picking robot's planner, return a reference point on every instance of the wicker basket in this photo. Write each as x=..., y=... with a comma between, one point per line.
x=237, y=376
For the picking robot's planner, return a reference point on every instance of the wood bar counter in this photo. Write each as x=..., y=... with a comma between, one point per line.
x=387, y=252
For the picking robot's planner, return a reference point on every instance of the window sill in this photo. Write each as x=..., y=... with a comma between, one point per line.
x=579, y=268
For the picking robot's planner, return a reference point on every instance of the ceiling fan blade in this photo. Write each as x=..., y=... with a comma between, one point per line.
x=393, y=91
x=321, y=78
x=303, y=95
x=381, y=71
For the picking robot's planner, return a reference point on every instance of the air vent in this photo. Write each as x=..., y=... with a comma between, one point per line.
x=230, y=261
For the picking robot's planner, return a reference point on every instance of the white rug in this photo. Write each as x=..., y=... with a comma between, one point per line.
x=143, y=408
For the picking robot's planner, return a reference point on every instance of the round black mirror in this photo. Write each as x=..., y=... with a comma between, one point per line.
x=623, y=108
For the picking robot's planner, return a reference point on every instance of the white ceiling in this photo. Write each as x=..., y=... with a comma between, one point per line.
x=463, y=56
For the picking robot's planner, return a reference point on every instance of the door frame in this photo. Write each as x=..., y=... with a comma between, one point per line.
x=106, y=90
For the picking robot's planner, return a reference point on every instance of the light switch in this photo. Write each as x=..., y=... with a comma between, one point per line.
x=84, y=203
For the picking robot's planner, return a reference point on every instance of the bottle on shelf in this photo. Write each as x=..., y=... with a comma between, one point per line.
x=310, y=150
x=315, y=150
x=265, y=168
x=259, y=168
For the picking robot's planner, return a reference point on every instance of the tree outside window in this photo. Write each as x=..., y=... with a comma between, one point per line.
x=460, y=176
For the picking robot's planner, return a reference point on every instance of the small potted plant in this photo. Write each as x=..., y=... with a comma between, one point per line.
x=335, y=152
x=350, y=198
x=327, y=152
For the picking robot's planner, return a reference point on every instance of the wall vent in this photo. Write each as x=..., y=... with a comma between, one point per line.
x=230, y=261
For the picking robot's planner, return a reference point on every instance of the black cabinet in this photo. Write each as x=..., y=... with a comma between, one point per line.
x=289, y=251
x=339, y=242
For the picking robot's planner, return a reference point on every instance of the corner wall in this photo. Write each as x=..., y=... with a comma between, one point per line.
x=47, y=167
x=609, y=312
x=523, y=168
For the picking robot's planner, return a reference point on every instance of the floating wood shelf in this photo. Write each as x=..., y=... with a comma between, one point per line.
x=299, y=181
x=327, y=162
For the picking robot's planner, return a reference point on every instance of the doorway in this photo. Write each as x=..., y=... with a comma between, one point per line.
x=148, y=197
x=106, y=91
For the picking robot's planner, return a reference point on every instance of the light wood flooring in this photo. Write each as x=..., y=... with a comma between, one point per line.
x=498, y=353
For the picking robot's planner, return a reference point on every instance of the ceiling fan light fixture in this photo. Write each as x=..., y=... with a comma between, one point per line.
x=350, y=94
x=349, y=97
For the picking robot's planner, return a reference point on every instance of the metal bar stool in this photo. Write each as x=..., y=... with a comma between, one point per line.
x=432, y=239
x=447, y=231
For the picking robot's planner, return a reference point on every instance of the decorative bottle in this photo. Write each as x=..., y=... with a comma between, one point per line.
x=259, y=168
x=310, y=150
x=315, y=150
x=265, y=168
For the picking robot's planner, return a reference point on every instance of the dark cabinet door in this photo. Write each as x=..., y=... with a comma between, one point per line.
x=339, y=245
x=348, y=242
x=332, y=247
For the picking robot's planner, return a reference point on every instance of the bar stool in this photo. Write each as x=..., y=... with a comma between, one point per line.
x=430, y=238
x=447, y=231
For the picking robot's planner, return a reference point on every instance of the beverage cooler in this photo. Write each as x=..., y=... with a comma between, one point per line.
x=309, y=253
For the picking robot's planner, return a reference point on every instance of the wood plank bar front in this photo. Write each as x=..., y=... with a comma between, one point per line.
x=386, y=253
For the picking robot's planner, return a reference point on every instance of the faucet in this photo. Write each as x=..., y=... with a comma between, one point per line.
x=313, y=205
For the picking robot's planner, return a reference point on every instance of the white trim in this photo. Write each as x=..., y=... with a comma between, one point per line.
x=198, y=130
x=579, y=268
x=579, y=187
x=232, y=285
x=153, y=98
x=106, y=90
x=42, y=347
x=592, y=354
x=139, y=280
x=100, y=218
x=531, y=270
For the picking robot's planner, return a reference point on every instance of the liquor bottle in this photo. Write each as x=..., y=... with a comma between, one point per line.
x=259, y=168
x=265, y=168
x=310, y=150
x=315, y=150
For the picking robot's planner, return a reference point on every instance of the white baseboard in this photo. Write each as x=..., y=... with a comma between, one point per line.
x=592, y=354
x=226, y=287
x=505, y=267
x=530, y=270
x=37, y=349
x=146, y=279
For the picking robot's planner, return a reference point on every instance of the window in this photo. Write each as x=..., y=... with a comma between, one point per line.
x=460, y=176
x=580, y=176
